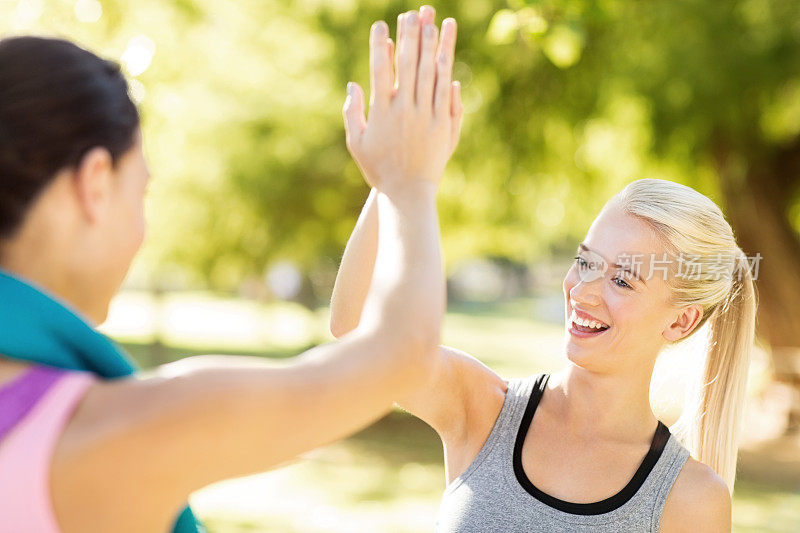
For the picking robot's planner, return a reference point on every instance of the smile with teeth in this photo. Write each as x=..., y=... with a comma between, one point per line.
x=592, y=324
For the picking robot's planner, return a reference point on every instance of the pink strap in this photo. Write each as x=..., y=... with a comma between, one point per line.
x=20, y=395
x=26, y=452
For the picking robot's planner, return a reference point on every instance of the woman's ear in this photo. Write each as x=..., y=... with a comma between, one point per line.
x=684, y=323
x=94, y=183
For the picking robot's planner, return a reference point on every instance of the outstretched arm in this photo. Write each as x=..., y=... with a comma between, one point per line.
x=207, y=418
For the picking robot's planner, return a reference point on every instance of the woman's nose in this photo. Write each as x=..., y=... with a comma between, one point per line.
x=586, y=292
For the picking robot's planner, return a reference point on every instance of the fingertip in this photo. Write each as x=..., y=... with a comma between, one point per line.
x=449, y=29
x=380, y=28
x=427, y=14
x=354, y=91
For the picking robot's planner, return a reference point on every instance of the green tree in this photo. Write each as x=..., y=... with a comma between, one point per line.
x=709, y=89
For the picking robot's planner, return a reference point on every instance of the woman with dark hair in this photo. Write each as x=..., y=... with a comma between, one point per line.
x=86, y=446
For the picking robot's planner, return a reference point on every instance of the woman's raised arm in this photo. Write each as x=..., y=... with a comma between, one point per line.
x=460, y=397
x=444, y=98
x=355, y=271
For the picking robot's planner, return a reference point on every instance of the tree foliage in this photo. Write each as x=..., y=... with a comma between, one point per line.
x=566, y=102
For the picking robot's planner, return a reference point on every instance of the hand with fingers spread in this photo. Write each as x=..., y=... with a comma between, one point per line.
x=414, y=113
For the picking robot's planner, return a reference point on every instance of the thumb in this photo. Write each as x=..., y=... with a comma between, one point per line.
x=353, y=112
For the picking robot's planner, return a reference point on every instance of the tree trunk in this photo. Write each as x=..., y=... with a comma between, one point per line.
x=758, y=208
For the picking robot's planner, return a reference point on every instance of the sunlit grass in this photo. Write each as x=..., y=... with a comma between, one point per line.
x=388, y=478
x=205, y=321
x=762, y=508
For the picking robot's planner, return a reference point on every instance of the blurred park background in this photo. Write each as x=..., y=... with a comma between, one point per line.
x=254, y=196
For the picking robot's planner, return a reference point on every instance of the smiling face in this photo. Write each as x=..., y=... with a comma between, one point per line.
x=626, y=292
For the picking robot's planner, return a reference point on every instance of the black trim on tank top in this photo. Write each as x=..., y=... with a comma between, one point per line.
x=657, y=446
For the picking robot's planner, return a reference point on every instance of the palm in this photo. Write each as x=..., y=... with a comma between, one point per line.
x=414, y=121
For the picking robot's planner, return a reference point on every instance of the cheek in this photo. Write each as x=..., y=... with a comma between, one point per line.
x=138, y=225
x=134, y=222
x=629, y=311
x=623, y=311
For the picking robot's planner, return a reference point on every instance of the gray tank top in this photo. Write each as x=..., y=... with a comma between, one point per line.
x=495, y=495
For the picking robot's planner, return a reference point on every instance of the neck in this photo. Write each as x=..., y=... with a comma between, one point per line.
x=53, y=251
x=40, y=264
x=612, y=406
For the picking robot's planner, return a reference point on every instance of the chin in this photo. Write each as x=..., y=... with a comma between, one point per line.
x=584, y=357
x=95, y=319
x=102, y=317
x=97, y=314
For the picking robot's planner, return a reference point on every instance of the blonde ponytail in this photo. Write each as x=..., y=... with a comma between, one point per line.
x=711, y=421
x=691, y=225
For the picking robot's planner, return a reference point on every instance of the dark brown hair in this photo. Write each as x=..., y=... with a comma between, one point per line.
x=57, y=101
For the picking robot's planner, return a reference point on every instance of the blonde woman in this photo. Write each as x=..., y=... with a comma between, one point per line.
x=581, y=450
x=85, y=446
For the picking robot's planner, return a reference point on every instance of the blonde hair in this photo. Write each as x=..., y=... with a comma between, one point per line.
x=717, y=277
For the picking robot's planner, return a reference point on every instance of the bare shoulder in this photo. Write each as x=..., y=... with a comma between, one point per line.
x=482, y=390
x=698, y=501
x=461, y=402
x=459, y=393
x=88, y=453
x=470, y=371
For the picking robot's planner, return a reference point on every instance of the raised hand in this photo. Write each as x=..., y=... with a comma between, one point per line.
x=415, y=113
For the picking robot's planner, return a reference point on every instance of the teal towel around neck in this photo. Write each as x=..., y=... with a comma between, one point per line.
x=37, y=327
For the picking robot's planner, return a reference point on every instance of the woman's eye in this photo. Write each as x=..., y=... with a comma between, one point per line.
x=621, y=277
x=624, y=284
x=618, y=281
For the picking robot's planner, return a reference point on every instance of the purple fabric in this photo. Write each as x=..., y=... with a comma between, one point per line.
x=21, y=394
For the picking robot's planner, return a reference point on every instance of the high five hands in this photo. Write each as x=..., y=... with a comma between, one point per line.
x=414, y=108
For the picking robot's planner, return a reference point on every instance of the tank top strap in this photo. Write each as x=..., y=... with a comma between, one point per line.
x=499, y=445
x=19, y=396
x=35, y=409
x=520, y=391
x=658, y=484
